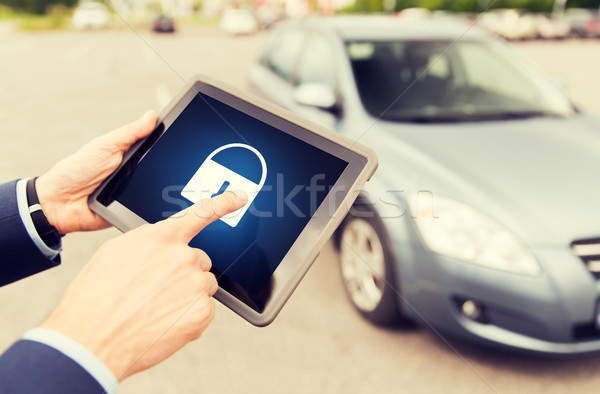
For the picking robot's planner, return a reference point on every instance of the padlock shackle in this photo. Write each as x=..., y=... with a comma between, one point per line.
x=263, y=163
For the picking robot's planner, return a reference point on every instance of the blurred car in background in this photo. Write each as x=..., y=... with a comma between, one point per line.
x=268, y=15
x=238, y=21
x=509, y=23
x=90, y=15
x=419, y=14
x=583, y=22
x=482, y=221
x=415, y=13
x=163, y=24
x=550, y=28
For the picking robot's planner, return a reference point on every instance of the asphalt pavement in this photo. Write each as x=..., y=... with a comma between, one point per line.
x=60, y=89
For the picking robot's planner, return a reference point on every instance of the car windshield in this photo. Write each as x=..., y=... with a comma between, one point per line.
x=443, y=81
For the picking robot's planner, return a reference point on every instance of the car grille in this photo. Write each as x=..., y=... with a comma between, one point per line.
x=589, y=251
x=586, y=332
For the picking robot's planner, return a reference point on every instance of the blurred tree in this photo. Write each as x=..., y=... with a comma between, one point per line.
x=584, y=3
x=37, y=6
x=197, y=6
x=465, y=5
x=431, y=4
x=402, y=4
x=366, y=6
x=531, y=5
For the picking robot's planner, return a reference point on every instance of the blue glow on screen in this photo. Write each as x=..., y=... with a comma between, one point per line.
x=152, y=190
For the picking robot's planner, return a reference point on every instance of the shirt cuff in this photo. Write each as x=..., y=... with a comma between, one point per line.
x=78, y=353
x=23, y=206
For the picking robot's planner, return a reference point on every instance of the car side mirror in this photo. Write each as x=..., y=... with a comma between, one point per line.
x=315, y=94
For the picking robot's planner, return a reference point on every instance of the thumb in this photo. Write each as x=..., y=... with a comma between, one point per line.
x=192, y=220
x=122, y=138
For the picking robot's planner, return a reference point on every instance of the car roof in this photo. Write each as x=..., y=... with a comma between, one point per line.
x=380, y=27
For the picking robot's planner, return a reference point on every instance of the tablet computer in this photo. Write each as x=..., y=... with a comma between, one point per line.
x=301, y=180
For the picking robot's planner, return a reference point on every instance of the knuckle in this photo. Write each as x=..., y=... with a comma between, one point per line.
x=164, y=232
x=202, y=283
x=206, y=282
x=206, y=312
x=211, y=279
x=186, y=255
x=204, y=211
x=202, y=317
x=205, y=260
x=230, y=201
x=210, y=311
x=195, y=332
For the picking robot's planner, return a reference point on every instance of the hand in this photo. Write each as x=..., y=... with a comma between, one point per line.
x=64, y=190
x=146, y=293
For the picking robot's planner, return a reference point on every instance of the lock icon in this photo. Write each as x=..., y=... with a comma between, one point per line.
x=212, y=179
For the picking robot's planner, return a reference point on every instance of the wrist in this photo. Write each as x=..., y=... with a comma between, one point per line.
x=48, y=203
x=82, y=356
x=46, y=231
x=92, y=342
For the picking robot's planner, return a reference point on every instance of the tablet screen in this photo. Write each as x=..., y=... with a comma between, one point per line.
x=227, y=149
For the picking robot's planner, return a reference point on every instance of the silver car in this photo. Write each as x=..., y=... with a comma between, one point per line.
x=483, y=220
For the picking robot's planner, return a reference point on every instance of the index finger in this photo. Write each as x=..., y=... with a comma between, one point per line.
x=192, y=220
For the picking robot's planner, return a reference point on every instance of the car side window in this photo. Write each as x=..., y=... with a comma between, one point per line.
x=284, y=52
x=317, y=63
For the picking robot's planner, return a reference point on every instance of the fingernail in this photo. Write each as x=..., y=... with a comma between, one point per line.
x=241, y=195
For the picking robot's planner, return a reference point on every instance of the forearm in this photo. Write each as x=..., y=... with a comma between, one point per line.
x=43, y=362
x=23, y=252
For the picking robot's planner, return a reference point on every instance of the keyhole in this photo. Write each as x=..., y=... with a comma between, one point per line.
x=224, y=187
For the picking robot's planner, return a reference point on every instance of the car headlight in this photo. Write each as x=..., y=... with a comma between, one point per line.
x=454, y=229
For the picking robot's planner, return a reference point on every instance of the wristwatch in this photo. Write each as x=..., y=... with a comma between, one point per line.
x=47, y=232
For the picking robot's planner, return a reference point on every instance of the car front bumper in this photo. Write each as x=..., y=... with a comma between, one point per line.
x=554, y=313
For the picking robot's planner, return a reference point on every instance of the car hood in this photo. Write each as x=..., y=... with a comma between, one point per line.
x=539, y=177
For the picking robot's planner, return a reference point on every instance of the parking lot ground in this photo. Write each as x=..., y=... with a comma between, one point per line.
x=59, y=90
x=572, y=63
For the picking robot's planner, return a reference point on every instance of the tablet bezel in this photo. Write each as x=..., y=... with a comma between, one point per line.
x=362, y=163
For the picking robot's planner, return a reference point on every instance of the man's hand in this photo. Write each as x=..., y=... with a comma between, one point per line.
x=64, y=190
x=145, y=294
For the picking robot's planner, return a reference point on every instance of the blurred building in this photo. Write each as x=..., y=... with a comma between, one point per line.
x=141, y=9
x=301, y=8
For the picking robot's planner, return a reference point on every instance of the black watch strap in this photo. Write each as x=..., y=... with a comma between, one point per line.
x=45, y=230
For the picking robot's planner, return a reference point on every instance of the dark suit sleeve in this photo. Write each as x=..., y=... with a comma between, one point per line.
x=32, y=367
x=19, y=257
x=29, y=366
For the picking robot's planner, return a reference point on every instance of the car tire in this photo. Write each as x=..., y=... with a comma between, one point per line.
x=367, y=267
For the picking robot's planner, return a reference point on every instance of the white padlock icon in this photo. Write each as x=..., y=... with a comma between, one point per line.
x=213, y=178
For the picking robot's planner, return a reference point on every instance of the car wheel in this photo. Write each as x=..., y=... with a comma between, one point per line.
x=366, y=262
